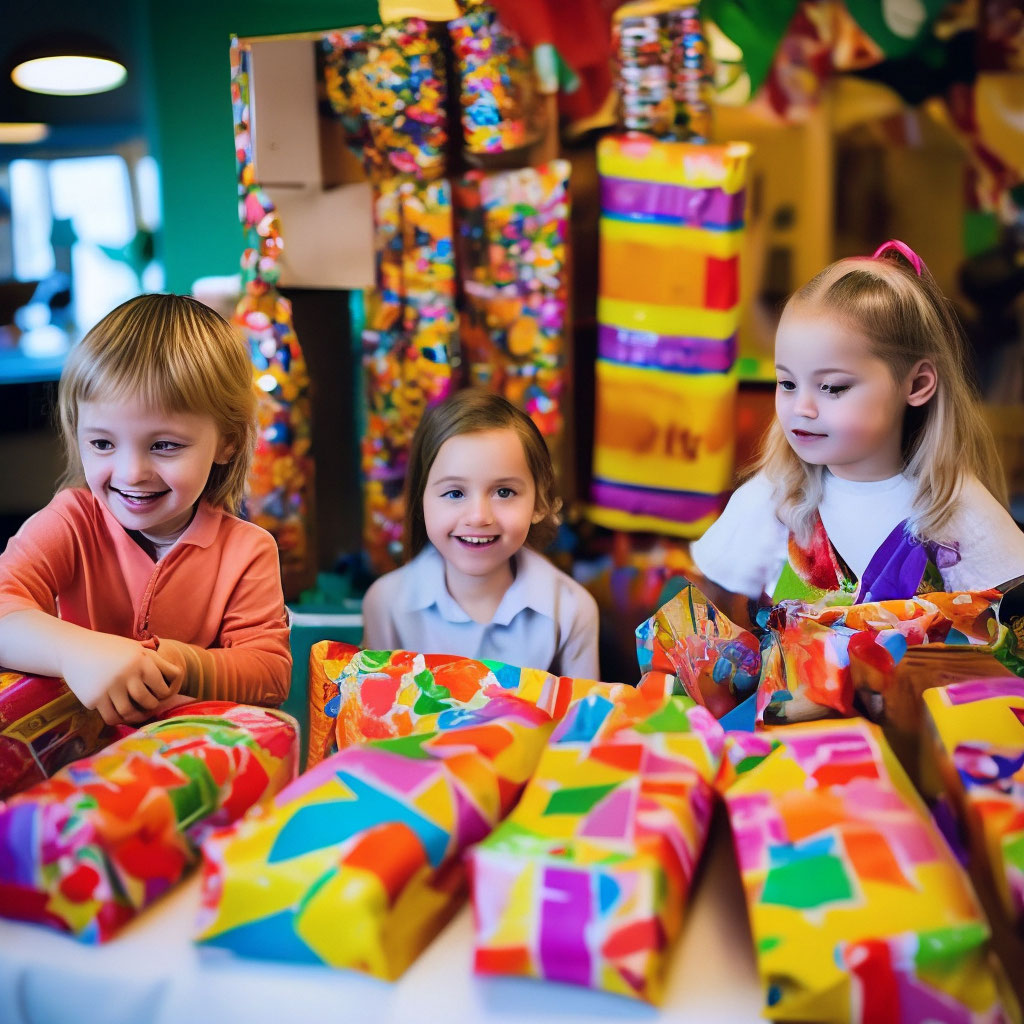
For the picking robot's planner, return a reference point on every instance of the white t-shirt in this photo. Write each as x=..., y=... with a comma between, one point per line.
x=546, y=619
x=746, y=549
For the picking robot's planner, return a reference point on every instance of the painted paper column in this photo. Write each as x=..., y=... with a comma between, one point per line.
x=387, y=85
x=668, y=312
x=280, y=495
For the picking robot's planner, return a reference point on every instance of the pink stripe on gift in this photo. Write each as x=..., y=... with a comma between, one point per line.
x=984, y=689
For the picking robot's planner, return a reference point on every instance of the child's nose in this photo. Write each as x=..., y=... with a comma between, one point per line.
x=480, y=509
x=133, y=466
x=806, y=405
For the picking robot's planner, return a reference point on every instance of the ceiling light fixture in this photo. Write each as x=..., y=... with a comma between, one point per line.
x=67, y=65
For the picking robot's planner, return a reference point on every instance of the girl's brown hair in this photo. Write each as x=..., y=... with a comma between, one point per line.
x=173, y=353
x=906, y=318
x=468, y=412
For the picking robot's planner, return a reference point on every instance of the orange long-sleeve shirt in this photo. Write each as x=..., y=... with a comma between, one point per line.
x=214, y=601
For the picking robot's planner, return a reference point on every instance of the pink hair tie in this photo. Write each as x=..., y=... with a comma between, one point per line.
x=903, y=249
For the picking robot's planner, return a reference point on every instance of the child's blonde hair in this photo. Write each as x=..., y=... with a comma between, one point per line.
x=903, y=313
x=173, y=353
x=468, y=412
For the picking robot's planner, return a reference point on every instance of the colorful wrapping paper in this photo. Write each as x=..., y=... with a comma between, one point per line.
x=43, y=726
x=826, y=654
x=513, y=230
x=816, y=654
x=586, y=880
x=860, y=912
x=668, y=312
x=978, y=744
x=358, y=862
x=356, y=695
x=85, y=851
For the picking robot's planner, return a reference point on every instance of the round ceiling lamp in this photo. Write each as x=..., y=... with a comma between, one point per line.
x=64, y=65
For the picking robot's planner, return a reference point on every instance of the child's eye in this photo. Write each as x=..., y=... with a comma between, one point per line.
x=166, y=446
x=101, y=444
x=454, y=492
x=834, y=389
x=787, y=385
x=505, y=492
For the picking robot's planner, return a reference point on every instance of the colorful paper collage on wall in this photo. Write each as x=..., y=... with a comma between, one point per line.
x=664, y=423
x=280, y=494
x=86, y=850
x=978, y=747
x=859, y=910
x=513, y=231
x=358, y=863
x=586, y=881
x=43, y=726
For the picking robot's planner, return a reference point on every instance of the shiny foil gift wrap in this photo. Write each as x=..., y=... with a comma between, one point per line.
x=86, y=850
x=859, y=910
x=585, y=882
x=977, y=730
x=717, y=661
x=358, y=863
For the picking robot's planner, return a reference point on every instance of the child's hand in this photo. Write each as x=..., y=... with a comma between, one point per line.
x=122, y=680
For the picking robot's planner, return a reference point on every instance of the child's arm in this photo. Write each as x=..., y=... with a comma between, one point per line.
x=116, y=675
x=253, y=662
x=113, y=674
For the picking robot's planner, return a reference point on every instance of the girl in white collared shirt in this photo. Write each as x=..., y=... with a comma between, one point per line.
x=480, y=488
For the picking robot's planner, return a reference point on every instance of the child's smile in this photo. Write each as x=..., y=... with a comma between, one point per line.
x=148, y=467
x=478, y=506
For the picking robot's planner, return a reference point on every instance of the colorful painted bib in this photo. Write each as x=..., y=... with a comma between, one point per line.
x=902, y=567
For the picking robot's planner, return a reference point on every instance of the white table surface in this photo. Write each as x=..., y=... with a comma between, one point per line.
x=153, y=974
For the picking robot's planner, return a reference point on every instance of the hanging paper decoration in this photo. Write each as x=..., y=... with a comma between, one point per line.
x=977, y=747
x=407, y=347
x=494, y=71
x=860, y=913
x=359, y=863
x=513, y=229
x=87, y=850
x=586, y=881
x=280, y=497
x=663, y=82
x=387, y=85
x=668, y=312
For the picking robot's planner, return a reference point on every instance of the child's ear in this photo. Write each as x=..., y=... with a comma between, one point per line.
x=921, y=382
x=538, y=515
x=225, y=452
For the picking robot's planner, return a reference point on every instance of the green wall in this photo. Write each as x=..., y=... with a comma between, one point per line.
x=190, y=117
